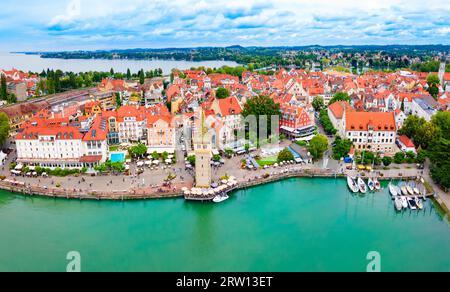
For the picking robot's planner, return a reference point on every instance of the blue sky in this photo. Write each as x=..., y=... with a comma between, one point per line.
x=105, y=24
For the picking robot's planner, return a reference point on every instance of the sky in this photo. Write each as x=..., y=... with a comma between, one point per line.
x=45, y=25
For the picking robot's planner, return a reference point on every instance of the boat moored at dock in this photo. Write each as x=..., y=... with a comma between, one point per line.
x=377, y=184
x=371, y=184
x=352, y=185
x=362, y=185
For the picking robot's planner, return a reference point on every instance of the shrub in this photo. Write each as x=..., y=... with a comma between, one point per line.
x=399, y=157
x=387, y=161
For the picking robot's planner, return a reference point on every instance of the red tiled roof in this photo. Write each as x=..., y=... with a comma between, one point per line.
x=361, y=121
x=337, y=108
x=406, y=141
x=91, y=159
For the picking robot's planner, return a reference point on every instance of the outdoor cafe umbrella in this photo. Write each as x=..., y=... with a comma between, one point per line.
x=187, y=193
x=224, y=181
x=184, y=189
x=214, y=185
x=168, y=161
x=140, y=163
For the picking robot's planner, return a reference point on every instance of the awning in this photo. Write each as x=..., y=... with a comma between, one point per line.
x=91, y=159
x=289, y=129
x=161, y=150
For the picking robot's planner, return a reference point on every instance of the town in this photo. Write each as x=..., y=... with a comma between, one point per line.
x=188, y=131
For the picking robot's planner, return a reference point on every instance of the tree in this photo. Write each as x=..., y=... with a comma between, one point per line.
x=318, y=103
x=411, y=125
x=128, y=74
x=191, y=160
x=262, y=106
x=326, y=122
x=425, y=135
x=341, y=148
x=285, y=155
x=433, y=90
x=433, y=79
x=141, y=77
x=155, y=155
x=118, y=100
x=399, y=157
x=4, y=128
x=3, y=88
x=222, y=93
x=439, y=154
x=442, y=121
x=387, y=161
x=138, y=150
x=317, y=146
x=340, y=96
x=421, y=156
x=111, y=72
x=410, y=157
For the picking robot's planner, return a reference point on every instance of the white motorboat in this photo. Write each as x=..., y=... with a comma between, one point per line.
x=404, y=202
x=393, y=190
x=410, y=190
x=419, y=203
x=398, y=204
x=404, y=190
x=362, y=185
x=416, y=191
x=352, y=185
x=371, y=184
x=377, y=184
x=412, y=204
x=220, y=198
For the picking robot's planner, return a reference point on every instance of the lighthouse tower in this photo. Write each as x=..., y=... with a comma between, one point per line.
x=203, y=154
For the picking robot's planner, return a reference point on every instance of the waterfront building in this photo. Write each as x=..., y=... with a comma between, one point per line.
x=55, y=145
x=371, y=131
x=406, y=144
x=161, y=134
x=295, y=122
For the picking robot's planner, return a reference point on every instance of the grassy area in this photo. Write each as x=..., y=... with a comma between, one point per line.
x=267, y=161
x=113, y=148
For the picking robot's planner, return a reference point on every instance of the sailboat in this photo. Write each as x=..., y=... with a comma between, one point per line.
x=362, y=185
x=410, y=190
x=392, y=190
x=377, y=184
x=398, y=203
x=371, y=184
x=352, y=184
x=419, y=203
x=404, y=202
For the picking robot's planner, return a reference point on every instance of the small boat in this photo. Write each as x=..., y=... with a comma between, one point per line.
x=418, y=203
x=371, y=184
x=404, y=190
x=220, y=198
x=352, y=184
x=362, y=185
x=404, y=202
x=412, y=204
x=398, y=204
x=377, y=184
x=409, y=190
x=399, y=190
x=392, y=190
x=416, y=191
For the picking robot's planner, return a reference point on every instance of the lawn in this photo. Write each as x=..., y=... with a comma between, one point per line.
x=267, y=161
x=113, y=148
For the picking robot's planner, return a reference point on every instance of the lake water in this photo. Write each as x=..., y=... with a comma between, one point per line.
x=35, y=63
x=294, y=225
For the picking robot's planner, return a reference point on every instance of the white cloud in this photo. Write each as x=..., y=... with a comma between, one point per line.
x=119, y=23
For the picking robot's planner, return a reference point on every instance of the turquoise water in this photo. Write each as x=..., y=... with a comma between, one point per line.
x=294, y=225
x=117, y=157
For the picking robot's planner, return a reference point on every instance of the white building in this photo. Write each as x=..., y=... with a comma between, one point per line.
x=371, y=131
x=62, y=146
